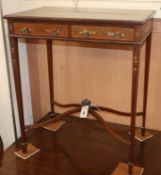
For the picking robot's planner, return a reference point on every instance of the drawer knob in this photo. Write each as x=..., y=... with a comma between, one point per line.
x=86, y=33
x=120, y=35
x=53, y=32
x=110, y=34
x=26, y=30
x=117, y=35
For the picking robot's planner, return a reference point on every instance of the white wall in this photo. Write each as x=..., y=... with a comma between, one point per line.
x=133, y=4
x=11, y=6
x=6, y=124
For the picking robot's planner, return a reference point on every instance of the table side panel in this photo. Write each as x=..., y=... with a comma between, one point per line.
x=142, y=30
x=79, y=31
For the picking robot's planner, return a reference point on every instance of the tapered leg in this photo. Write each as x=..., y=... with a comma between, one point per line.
x=146, y=81
x=1, y=150
x=50, y=73
x=122, y=168
x=135, y=77
x=17, y=80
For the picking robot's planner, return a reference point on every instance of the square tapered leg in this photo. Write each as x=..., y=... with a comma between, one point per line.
x=122, y=169
x=139, y=137
x=54, y=126
x=31, y=150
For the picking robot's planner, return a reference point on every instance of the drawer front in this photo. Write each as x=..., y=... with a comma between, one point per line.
x=103, y=33
x=54, y=30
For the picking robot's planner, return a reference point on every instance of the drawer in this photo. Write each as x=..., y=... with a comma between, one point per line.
x=40, y=29
x=103, y=33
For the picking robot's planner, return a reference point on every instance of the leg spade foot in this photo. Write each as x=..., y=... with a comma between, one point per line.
x=143, y=136
x=31, y=150
x=54, y=126
x=123, y=169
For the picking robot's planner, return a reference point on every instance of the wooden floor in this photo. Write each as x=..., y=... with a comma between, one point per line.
x=82, y=147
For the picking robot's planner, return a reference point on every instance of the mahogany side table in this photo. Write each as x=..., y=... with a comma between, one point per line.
x=123, y=28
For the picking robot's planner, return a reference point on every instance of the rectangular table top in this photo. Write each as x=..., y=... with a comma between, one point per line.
x=75, y=14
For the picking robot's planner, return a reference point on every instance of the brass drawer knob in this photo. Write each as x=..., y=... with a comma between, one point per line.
x=117, y=35
x=86, y=33
x=53, y=32
x=110, y=34
x=26, y=30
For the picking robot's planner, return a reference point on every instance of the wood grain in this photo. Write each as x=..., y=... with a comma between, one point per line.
x=81, y=147
x=94, y=14
x=40, y=29
x=102, y=32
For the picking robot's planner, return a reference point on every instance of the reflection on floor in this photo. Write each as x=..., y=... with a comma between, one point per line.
x=82, y=147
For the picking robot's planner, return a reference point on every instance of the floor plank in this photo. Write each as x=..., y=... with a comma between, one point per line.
x=82, y=147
